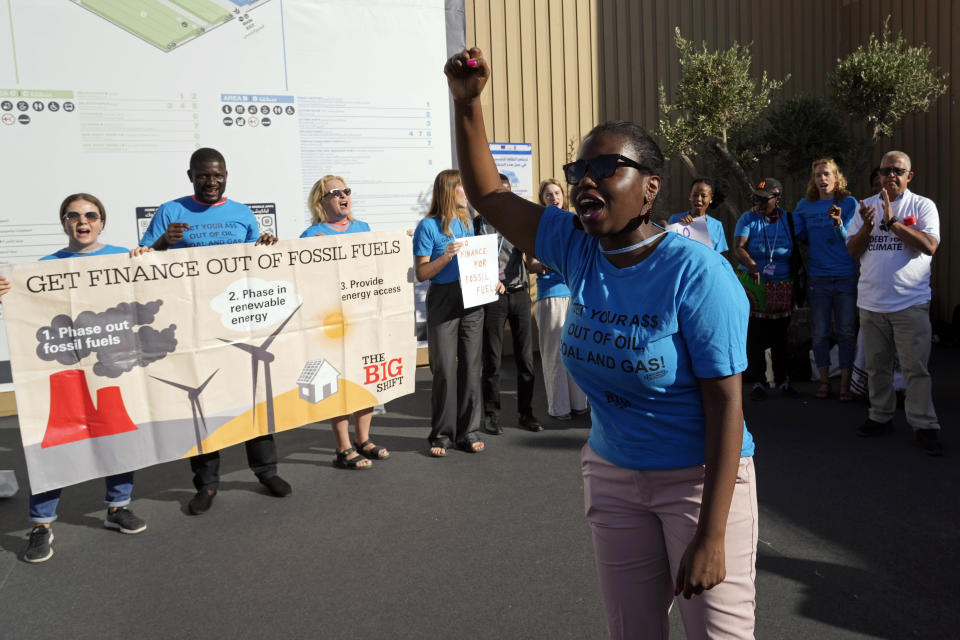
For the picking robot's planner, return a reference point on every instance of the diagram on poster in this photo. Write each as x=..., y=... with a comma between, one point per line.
x=168, y=24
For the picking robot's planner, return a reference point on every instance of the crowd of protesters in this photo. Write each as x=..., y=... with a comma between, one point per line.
x=668, y=472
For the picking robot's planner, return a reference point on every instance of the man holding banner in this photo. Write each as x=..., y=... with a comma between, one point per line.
x=203, y=219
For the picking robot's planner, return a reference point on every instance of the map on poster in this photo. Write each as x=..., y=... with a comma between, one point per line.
x=156, y=79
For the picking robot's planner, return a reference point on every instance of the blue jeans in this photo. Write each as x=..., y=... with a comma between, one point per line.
x=43, y=506
x=836, y=297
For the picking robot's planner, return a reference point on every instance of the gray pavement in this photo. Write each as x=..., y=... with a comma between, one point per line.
x=858, y=538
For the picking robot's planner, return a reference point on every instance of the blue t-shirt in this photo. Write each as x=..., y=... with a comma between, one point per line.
x=430, y=240
x=324, y=229
x=551, y=285
x=637, y=341
x=228, y=222
x=714, y=226
x=105, y=250
x=828, y=244
x=766, y=241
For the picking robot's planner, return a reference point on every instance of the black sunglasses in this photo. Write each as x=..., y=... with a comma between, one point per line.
x=761, y=199
x=885, y=171
x=600, y=167
x=336, y=193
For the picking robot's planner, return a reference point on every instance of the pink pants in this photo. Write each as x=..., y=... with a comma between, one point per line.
x=642, y=522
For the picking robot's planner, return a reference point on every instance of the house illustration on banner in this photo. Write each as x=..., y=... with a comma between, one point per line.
x=318, y=380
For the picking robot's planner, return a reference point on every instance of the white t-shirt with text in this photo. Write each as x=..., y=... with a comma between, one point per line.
x=893, y=276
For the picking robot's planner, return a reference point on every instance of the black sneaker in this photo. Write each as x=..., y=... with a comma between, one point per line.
x=929, y=441
x=529, y=422
x=758, y=392
x=277, y=486
x=491, y=424
x=787, y=389
x=124, y=521
x=201, y=502
x=38, y=547
x=872, y=428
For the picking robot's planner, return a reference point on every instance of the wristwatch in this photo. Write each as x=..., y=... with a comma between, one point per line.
x=889, y=225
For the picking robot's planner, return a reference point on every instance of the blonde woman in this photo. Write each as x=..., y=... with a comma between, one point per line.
x=822, y=219
x=454, y=334
x=564, y=397
x=331, y=207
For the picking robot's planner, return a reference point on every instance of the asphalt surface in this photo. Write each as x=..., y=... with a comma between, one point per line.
x=858, y=538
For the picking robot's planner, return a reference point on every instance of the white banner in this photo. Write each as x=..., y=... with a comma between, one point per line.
x=696, y=230
x=120, y=363
x=478, y=260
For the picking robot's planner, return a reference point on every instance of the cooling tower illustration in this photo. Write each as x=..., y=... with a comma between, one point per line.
x=73, y=416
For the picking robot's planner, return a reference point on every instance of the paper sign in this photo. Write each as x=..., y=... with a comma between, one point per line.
x=478, y=269
x=120, y=363
x=696, y=230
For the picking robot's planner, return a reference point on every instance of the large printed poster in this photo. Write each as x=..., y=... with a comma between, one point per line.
x=120, y=362
x=110, y=97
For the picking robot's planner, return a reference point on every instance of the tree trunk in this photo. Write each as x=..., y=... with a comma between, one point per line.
x=864, y=156
x=688, y=163
x=734, y=166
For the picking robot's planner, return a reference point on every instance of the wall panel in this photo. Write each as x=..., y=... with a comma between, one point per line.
x=594, y=60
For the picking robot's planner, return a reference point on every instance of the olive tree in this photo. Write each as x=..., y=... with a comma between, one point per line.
x=883, y=82
x=805, y=128
x=715, y=100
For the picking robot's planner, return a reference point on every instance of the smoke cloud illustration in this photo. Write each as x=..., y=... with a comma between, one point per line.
x=111, y=335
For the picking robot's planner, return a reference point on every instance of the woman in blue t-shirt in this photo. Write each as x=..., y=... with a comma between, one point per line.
x=821, y=220
x=331, y=208
x=763, y=244
x=655, y=337
x=83, y=217
x=564, y=397
x=701, y=199
x=454, y=334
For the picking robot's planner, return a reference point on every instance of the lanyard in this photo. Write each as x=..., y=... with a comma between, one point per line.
x=766, y=243
x=613, y=252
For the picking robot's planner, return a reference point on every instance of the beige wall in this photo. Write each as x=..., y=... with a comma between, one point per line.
x=561, y=66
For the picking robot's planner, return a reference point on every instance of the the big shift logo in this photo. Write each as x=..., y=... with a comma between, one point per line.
x=382, y=372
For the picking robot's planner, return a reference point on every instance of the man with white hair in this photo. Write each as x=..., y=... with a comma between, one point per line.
x=895, y=249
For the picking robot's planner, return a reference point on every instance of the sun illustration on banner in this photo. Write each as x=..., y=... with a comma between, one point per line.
x=335, y=325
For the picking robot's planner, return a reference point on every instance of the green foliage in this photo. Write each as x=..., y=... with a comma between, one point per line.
x=885, y=82
x=716, y=96
x=806, y=128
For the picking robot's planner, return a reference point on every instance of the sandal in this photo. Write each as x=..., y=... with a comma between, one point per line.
x=845, y=395
x=824, y=391
x=376, y=453
x=344, y=461
x=472, y=447
x=438, y=452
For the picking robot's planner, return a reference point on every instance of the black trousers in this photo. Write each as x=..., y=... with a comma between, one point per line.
x=761, y=334
x=454, y=338
x=261, y=456
x=513, y=307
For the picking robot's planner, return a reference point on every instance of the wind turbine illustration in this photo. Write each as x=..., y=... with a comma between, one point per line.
x=258, y=355
x=194, y=394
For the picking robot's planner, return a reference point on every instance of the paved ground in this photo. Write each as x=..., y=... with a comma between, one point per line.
x=858, y=539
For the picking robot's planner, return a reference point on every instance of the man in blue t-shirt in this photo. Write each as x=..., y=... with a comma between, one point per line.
x=203, y=219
